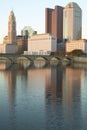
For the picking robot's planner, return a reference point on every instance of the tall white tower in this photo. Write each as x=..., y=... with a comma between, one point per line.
x=12, y=29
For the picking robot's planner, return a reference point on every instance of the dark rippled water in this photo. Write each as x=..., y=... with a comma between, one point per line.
x=50, y=98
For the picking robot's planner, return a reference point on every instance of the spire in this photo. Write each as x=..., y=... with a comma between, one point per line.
x=11, y=16
x=11, y=13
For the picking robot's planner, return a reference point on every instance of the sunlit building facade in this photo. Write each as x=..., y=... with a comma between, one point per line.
x=54, y=22
x=76, y=45
x=12, y=28
x=19, y=42
x=42, y=44
x=72, y=22
x=9, y=42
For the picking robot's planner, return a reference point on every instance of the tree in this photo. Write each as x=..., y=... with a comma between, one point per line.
x=77, y=52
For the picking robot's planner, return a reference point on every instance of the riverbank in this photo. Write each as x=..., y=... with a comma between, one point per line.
x=81, y=59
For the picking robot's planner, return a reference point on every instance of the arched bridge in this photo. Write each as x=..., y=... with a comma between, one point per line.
x=14, y=57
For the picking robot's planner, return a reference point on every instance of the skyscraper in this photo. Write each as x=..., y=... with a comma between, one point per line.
x=12, y=29
x=9, y=41
x=54, y=22
x=72, y=22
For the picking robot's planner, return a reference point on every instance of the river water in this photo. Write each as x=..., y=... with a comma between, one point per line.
x=49, y=98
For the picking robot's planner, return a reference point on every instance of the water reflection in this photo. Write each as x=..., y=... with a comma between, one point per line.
x=54, y=89
x=71, y=98
x=39, y=64
x=4, y=66
x=50, y=98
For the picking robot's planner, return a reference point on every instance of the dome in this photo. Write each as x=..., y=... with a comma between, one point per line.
x=72, y=5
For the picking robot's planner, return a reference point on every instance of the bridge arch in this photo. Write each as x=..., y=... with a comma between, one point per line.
x=69, y=58
x=5, y=58
x=41, y=58
x=55, y=58
x=22, y=58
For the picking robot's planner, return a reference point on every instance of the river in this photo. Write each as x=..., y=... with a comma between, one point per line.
x=48, y=98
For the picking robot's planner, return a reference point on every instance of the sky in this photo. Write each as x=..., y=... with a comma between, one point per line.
x=32, y=13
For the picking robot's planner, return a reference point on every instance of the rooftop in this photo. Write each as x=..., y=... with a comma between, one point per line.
x=72, y=5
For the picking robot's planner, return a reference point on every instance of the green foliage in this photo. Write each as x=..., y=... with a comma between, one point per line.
x=57, y=53
x=19, y=52
x=75, y=53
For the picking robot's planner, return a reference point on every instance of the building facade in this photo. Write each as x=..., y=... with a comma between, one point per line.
x=19, y=42
x=8, y=48
x=42, y=44
x=11, y=48
x=54, y=22
x=9, y=42
x=12, y=29
x=72, y=22
x=76, y=45
x=22, y=43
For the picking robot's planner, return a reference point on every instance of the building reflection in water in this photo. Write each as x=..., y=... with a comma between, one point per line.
x=43, y=76
x=12, y=75
x=54, y=98
x=4, y=66
x=62, y=93
x=84, y=98
x=37, y=80
x=52, y=77
x=48, y=98
x=49, y=82
x=72, y=97
x=71, y=84
x=54, y=90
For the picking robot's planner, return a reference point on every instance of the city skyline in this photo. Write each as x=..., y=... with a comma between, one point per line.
x=32, y=14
